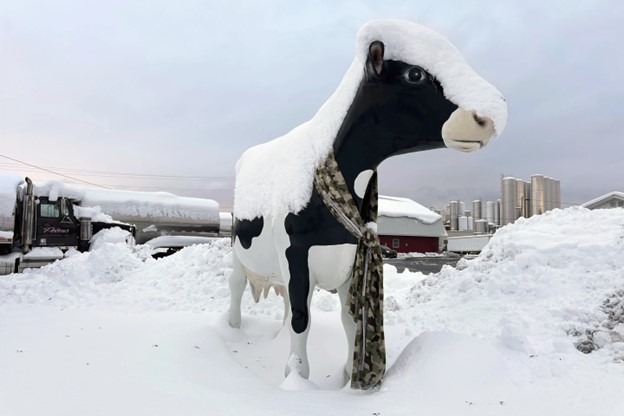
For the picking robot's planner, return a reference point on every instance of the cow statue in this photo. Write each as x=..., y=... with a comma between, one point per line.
x=305, y=203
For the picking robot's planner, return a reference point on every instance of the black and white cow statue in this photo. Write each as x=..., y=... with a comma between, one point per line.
x=407, y=90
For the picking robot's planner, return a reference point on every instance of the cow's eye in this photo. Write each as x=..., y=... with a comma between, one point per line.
x=415, y=75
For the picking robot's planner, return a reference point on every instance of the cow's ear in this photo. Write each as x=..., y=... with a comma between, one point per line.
x=376, y=57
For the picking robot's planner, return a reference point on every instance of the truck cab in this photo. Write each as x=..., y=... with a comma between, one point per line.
x=55, y=224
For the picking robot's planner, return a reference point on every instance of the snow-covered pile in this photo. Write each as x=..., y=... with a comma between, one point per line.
x=275, y=178
x=116, y=332
x=120, y=276
x=536, y=287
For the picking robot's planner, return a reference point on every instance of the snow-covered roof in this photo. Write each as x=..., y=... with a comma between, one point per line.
x=275, y=178
x=604, y=197
x=390, y=206
x=133, y=204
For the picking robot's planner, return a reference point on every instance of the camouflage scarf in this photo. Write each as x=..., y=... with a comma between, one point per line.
x=366, y=291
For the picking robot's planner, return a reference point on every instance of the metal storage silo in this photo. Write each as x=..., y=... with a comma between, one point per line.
x=462, y=222
x=552, y=194
x=537, y=195
x=470, y=223
x=462, y=208
x=454, y=208
x=548, y=188
x=497, y=212
x=489, y=212
x=508, y=203
x=526, y=207
x=557, y=193
x=520, y=196
x=480, y=226
x=476, y=209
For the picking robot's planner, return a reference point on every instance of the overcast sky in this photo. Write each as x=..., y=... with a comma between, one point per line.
x=101, y=90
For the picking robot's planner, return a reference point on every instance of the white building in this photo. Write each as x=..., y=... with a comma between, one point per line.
x=613, y=199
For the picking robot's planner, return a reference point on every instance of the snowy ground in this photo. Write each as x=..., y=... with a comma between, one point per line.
x=114, y=332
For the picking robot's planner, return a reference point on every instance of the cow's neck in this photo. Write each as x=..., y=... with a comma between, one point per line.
x=363, y=141
x=359, y=149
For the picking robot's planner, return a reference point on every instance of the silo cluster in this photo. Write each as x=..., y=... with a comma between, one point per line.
x=519, y=199
x=460, y=219
x=524, y=199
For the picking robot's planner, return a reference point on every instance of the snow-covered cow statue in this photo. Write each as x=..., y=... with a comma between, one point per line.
x=305, y=202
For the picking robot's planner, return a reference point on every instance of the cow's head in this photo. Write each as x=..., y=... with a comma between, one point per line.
x=411, y=110
x=418, y=93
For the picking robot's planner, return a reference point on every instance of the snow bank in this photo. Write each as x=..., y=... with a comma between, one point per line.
x=536, y=287
x=403, y=207
x=275, y=178
x=498, y=335
x=185, y=281
x=44, y=253
x=113, y=235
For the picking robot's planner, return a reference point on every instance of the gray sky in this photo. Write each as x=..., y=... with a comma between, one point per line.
x=181, y=89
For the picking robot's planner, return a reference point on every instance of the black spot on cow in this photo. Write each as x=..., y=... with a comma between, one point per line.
x=246, y=230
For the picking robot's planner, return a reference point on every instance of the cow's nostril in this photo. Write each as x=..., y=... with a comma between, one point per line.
x=480, y=120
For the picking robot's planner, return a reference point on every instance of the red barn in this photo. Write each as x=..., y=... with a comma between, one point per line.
x=408, y=227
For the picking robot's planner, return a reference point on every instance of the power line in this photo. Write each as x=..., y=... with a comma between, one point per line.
x=104, y=173
x=53, y=172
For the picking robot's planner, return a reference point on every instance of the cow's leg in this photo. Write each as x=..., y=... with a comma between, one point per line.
x=300, y=294
x=349, y=326
x=286, y=297
x=238, y=281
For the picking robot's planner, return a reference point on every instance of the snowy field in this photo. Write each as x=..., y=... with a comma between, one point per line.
x=115, y=332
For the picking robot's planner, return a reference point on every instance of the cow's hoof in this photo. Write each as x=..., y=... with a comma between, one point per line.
x=297, y=365
x=234, y=323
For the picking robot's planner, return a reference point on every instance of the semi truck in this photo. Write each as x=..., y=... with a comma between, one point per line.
x=41, y=223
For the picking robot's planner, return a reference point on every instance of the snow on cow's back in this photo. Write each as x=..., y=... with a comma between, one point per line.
x=275, y=178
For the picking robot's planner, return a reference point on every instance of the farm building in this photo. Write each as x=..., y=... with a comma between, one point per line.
x=408, y=227
x=613, y=199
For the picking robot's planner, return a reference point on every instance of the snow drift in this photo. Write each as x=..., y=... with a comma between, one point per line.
x=531, y=326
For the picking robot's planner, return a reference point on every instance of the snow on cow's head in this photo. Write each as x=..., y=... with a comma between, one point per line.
x=482, y=111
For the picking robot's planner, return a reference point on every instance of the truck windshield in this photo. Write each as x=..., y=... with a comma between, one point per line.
x=49, y=210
